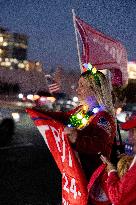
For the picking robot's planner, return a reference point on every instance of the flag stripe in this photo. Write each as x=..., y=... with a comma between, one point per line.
x=54, y=84
x=53, y=87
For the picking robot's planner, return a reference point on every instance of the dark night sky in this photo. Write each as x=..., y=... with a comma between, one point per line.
x=48, y=23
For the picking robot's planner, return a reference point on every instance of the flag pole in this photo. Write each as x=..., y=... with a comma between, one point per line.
x=77, y=42
x=109, y=79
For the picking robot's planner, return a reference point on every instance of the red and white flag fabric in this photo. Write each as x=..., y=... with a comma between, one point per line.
x=54, y=87
x=103, y=52
x=74, y=184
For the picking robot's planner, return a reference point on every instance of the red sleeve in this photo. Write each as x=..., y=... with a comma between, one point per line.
x=129, y=124
x=62, y=117
x=114, y=188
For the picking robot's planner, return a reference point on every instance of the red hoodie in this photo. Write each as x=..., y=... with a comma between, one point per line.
x=122, y=191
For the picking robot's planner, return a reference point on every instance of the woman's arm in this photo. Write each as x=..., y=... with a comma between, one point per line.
x=114, y=184
x=114, y=188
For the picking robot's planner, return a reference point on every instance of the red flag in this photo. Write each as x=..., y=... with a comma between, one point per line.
x=103, y=52
x=74, y=185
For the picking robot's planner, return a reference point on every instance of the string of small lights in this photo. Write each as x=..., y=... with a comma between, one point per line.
x=83, y=117
x=88, y=68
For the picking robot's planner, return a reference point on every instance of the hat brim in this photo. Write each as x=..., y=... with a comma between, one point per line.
x=130, y=124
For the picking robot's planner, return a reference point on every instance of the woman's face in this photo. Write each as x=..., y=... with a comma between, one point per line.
x=84, y=90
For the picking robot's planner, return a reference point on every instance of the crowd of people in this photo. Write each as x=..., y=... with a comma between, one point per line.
x=7, y=130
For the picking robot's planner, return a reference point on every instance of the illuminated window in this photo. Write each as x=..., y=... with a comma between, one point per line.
x=3, y=63
x=11, y=59
x=37, y=63
x=21, y=65
x=5, y=43
x=6, y=59
x=16, y=44
x=22, y=45
x=7, y=64
x=1, y=51
x=27, y=67
x=15, y=60
x=1, y=39
x=25, y=62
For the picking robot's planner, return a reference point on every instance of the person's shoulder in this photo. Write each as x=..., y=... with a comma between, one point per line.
x=104, y=113
x=103, y=117
x=105, y=121
x=130, y=179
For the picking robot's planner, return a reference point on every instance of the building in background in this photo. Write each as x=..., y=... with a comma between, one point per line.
x=131, y=87
x=132, y=70
x=18, y=74
x=13, y=52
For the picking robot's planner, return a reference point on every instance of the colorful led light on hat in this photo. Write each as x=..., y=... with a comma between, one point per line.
x=88, y=69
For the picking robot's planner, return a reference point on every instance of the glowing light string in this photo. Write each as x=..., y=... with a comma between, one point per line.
x=87, y=68
x=82, y=118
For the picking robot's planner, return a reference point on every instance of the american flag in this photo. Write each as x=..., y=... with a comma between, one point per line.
x=54, y=87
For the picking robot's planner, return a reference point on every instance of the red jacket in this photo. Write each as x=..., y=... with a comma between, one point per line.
x=97, y=187
x=122, y=191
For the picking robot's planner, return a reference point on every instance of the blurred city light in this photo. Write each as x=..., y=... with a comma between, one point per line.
x=30, y=97
x=1, y=39
x=95, y=110
x=69, y=102
x=132, y=70
x=16, y=116
x=20, y=95
x=75, y=99
x=51, y=99
x=43, y=99
x=36, y=97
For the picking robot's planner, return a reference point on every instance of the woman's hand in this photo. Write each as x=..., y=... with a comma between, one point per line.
x=110, y=166
x=71, y=133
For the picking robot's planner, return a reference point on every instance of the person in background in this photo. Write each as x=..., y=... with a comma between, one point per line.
x=129, y=126
x=7, y=129
x=121, y=182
